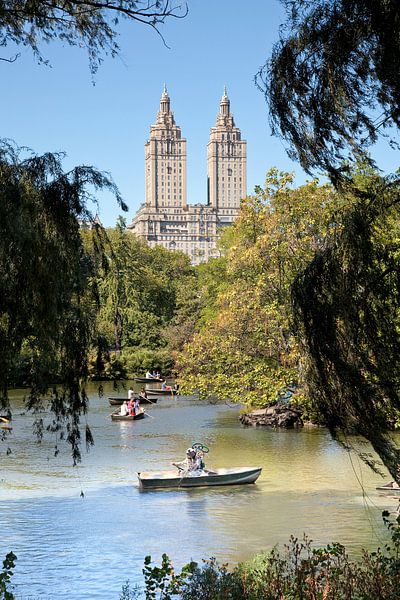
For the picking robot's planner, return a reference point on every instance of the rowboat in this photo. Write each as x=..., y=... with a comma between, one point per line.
x=116, y=416
x=161, y=392
x=392, y=486
x=114, y=401
x=148, y=379
x=171, y=479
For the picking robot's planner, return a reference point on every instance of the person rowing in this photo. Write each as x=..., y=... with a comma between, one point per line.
x=194, y=462
x=188, y=464
x=143, y=394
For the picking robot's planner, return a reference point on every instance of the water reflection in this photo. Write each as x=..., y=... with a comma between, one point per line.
x=70, y=547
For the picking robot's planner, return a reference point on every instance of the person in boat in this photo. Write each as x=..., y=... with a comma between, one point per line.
x=175, y=387
x=149, y=375
x=131, y=407
x=158, y=374
x=189, y=463
x=199, y=463
x=164, y=386
x=143, y=393
x=124, y=409
x=131, y=394
x=136, y=405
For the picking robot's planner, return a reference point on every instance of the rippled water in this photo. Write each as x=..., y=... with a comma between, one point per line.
x=73, y=547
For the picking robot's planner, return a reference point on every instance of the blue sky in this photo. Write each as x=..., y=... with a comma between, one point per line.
x=106, y=125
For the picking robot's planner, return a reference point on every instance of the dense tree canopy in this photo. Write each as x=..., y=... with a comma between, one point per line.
x=49, y=295
x=48, y=303
x=333, y=81
x=91, y=24
x=244, y=348
x=142, y=292
x=347, y=308
x=333, y=84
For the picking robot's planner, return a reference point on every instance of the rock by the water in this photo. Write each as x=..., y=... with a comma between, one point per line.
x=278, y=415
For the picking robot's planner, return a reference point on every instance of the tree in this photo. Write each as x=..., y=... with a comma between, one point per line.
x=244, y=348
x=91, y=24
x=48, y=300
x=333, y=80
x=346, y=305
x=333, y=85
x=48, y=293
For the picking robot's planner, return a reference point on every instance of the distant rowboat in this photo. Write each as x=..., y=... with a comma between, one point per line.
x=115, y=401
x=170, y=479
x=148, y=380
x=161, y=392
x=118, y=417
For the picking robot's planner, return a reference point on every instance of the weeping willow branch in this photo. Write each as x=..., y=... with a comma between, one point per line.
x=346, y=311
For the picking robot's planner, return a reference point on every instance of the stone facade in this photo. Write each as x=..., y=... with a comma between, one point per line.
x=165, y=218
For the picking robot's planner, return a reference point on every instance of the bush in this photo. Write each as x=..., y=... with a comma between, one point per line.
x=300, y=572
x=139, y=360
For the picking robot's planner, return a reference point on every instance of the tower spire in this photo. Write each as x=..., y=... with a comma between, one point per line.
x=225, y=103
x=165, y=102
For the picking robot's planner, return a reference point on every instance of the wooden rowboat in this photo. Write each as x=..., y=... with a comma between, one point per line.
x=114, y=401
x=118, y=417
x=148, y=379
x=392, y=486
x=149, y=480
x=161, y=392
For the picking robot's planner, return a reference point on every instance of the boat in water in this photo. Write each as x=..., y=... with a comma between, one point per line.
x=149, y=379
x=161, y=392
x=116, y=401
x=150, y=480
x=392, y=486
x=116, y=416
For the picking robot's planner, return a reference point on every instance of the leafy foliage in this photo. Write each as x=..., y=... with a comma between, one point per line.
x=347, y=312
x=300, y=571
x=244, y=348
x=143, y=293
x=5, y=577
x=48, y=298
x=90, y=24
x=162, y=582
x=333, y=86
x=333, y=81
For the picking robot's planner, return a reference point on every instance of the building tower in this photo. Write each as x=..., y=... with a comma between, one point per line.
x=165, y=160
x=226, y=162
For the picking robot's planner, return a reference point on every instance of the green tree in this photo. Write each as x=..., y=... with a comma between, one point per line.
x=333, y=85
x=244, y=348
x=347, y=312
x=48, y=301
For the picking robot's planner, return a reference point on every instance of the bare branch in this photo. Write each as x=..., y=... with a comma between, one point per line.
x=11, y=60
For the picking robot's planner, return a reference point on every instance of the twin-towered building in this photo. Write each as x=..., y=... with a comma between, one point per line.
x=166, y=218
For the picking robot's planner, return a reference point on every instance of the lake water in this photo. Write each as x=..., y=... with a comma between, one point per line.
x=73, y=547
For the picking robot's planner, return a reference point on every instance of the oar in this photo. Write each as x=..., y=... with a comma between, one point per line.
x=148, y=400
x=114, y=412
x=146, y=413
